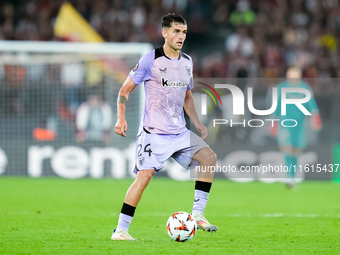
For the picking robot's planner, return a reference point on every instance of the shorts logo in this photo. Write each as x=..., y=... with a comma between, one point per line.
x=141, y=161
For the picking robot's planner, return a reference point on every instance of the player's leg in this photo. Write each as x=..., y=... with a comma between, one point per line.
x=290, y=159
x=134, y=193
x=285, y=137
x=190, y=150
x=291, y=141
x=207, y=159
x=131, y=201
x=291, y=156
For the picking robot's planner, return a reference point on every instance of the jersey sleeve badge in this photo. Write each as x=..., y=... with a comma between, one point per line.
x=132, y=73
x=136, y=67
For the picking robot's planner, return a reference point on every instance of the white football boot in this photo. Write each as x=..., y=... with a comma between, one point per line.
x=122, y=235
x=203, y=223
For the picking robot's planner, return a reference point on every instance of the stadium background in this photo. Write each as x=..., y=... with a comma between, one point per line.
x=231, y=39
x=43, y=80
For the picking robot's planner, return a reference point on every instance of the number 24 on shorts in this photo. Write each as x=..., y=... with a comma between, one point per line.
x=140, y=146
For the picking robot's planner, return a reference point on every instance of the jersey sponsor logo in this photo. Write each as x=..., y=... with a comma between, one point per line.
x=162, y=70
x=167, y=83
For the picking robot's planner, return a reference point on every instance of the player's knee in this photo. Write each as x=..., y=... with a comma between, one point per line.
x=212, y=157
x=209, y=157
x=144, y=177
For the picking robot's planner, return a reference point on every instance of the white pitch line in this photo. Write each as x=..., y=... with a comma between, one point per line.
x=281, y=215
x=263, y=215
x=155, y=214
x=249, y=215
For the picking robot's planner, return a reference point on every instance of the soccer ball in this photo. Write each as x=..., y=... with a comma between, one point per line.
x=181, y=226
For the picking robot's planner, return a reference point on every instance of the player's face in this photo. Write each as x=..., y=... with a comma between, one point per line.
x=294, y=75
x=175, y=35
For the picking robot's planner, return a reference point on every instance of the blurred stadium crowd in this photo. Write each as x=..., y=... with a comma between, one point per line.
x=226, y=37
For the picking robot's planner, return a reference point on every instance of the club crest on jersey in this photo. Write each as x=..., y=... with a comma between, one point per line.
x=188, y=70
x=167, y=83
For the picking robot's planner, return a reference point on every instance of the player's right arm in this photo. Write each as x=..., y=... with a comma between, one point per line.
x=140, y=73
x=314, y=109
x=123, y=96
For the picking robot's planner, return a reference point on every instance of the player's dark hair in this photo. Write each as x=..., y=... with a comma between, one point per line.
x=169, y=18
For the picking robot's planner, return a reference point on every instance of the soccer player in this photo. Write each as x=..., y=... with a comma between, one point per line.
x=167, y=76
x=292, y=140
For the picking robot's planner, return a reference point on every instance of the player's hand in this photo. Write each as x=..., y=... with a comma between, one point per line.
x=121, y=127
x=80, y=137
x=316, y=122
x=203, y=130
x=274, y=129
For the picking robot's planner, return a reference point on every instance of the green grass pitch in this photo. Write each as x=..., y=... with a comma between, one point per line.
x=58, y=216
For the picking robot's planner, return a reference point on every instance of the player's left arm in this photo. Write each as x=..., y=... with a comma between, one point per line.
x=316, y=122
x=189, y=107
x=312, y=106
